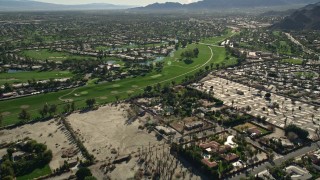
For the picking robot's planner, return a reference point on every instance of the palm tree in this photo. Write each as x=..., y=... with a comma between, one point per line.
x=52, y=109
x=1, y=120
x=90, y=102
x=211, y=66
x=312, y=117
x=271, y=156
x=117, y=98
x=24, y=116
x=285, y=122
x=214, y=126
x=73, y=106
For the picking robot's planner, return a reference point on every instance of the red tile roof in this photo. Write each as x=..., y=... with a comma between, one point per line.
x=230, y=157
x=208, y=163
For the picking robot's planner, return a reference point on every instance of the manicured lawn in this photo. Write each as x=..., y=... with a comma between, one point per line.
x=45, y=54
x=174, y=70
x=293, y=61
x=106, y=48
x=36, y=173
x=19, y=77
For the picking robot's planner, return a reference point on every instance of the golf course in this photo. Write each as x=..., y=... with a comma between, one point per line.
x=174, y=69
x=23, y=77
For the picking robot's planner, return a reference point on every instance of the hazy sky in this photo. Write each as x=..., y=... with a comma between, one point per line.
x=129, y=2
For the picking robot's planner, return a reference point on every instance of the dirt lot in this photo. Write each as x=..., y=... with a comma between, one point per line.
x=50, y=133
x=107, y=128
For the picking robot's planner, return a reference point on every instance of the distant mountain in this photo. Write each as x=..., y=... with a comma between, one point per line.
x=30, y=5
x=278, y=13
x=302, y=19
x=167, y=5
x=218, y=4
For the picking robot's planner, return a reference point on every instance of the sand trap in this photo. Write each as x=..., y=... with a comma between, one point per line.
x=116, y=85
x=56, y=57
x=9, y=79
x=84, y=92
x=114, y=92
x=134, y=86
x=130, y=92
x=24, y=106
x=68, y=100
x=156, y=76
x=5, y=113
x=103, y=97
x=50, y=133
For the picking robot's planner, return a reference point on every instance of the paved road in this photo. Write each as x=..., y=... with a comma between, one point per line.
x=300, y=152
x=304, y=48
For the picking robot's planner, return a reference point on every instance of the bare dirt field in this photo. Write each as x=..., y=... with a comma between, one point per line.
x=107, y=134
x=50, y=133
x=107, y=128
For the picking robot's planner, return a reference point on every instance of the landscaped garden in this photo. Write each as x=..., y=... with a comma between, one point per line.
x=251, y=129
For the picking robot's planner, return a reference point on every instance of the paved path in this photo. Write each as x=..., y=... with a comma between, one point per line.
x=304, y=48
x=68, y=100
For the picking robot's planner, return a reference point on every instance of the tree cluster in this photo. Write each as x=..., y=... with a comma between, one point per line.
x=36, y=156
x=189, y=54
x=302, y=134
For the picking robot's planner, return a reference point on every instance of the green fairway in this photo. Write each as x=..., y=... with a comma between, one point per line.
x=36, y=173
x=174, y=70
x=20, y=77
x=45, y=54
x=292, y=61
x=218, y=39
x=107, y=48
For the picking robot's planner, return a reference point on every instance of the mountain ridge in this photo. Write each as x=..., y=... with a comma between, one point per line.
x=306, y=18
x=30, y=5
x=216, y=4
